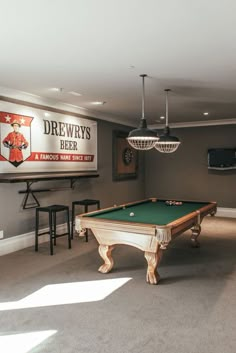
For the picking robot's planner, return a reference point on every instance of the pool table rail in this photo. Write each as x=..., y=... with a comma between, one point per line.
x=194, y=218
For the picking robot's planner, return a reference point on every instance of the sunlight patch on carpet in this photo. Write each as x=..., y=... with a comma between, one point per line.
x=23, y=342
x=67, y=293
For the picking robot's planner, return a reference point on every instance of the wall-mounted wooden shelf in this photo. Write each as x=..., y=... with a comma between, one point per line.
x=31, y=178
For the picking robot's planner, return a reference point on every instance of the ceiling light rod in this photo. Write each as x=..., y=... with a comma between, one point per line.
x=142, y=138
x=167, y=143
x=167, y=110
x=143, y=95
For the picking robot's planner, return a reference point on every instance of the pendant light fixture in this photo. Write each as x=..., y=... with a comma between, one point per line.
x=142, y=138
x=167, y=143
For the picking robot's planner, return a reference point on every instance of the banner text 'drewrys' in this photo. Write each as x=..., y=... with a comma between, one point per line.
x=56, y=128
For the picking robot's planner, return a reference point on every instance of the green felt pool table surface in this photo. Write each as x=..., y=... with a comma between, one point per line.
x=157, y=212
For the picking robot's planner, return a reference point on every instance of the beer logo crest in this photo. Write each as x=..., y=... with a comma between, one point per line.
x=15, y=132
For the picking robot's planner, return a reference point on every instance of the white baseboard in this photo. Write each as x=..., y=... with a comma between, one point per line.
x=22, y=241
x=226, y=212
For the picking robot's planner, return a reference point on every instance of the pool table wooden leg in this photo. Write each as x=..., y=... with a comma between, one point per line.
x=153, y=260
x=105, y=253
x=196, y=230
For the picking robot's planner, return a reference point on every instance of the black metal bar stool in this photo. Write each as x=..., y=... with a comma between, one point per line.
x=52, y=214
x=86, y=203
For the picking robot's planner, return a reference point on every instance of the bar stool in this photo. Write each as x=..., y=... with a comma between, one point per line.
x=86, y=203
x=52, y=214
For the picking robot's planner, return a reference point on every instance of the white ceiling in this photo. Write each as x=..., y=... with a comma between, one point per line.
x=100, y=47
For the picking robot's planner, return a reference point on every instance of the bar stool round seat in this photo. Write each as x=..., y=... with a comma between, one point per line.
x=86, y=203
x=52, y=211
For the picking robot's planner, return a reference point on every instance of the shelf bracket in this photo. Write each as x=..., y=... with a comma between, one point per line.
x=29, y=192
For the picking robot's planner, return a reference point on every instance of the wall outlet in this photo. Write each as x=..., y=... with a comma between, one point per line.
x=1, y=234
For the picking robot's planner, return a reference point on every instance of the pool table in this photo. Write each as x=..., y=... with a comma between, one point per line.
x=149, y=225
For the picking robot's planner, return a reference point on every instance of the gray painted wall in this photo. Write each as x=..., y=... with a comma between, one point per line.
x=184, y=174
x=15, y=221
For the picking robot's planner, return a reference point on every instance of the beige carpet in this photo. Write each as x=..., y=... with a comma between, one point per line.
x=192, y=310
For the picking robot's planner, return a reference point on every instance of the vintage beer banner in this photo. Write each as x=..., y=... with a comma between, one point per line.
x=34, y=140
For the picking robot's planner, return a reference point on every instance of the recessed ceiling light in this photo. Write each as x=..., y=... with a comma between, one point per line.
x=56, y=89
x=75, y=93
x=162, y=117
x=205, y=113
x=98, y=103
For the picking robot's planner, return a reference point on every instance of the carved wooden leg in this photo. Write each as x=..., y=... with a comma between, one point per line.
x=105, y=253
x=196, y=230
x=153, y=260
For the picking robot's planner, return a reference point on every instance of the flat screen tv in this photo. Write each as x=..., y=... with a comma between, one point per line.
x=222, y=158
